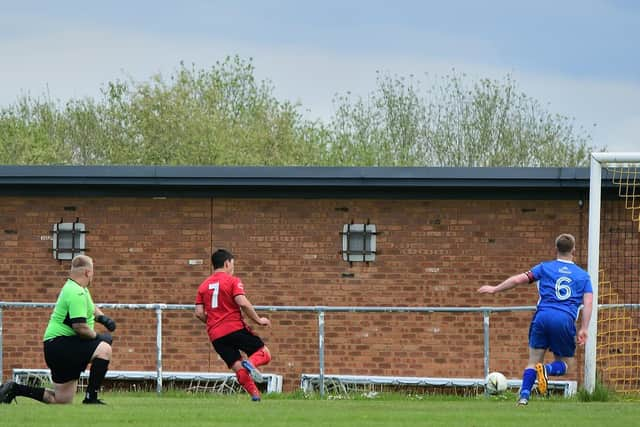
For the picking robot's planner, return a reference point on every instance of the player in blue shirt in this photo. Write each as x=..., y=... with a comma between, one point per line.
x=562, y=287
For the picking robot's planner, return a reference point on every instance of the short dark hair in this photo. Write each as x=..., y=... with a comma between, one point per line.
x=565, y=243
x=219, y=257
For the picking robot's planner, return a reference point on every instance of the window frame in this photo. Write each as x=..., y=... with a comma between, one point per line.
x=68, y=240
x=366, y=252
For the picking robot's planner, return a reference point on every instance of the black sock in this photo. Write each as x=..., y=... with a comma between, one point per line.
x=36, y=393
x=98, y=370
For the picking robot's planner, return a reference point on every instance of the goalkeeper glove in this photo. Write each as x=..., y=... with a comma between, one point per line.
x=106, y=337
x=108, y=322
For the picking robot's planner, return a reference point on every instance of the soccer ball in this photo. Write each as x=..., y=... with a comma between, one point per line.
x=495, y=383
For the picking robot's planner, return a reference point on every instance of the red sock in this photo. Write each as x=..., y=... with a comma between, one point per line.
x=247, y=383
x=260, y=357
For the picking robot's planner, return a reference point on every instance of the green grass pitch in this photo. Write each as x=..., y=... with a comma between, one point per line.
x=180, y=409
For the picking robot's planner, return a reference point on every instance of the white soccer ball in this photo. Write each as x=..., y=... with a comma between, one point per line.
x=496, y=383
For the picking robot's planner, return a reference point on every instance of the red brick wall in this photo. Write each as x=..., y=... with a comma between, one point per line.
x=432, y=253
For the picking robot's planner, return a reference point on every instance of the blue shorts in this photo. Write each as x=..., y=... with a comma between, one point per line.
x=553, y=330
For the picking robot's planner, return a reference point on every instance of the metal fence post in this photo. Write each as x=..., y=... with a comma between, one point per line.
x=321, y=349
x=159, y=350
x=485, y=316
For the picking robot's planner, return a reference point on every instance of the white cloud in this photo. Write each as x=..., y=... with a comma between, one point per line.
x=625, y=135
x=611, y=105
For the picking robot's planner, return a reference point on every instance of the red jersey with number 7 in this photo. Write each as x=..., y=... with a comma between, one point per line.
x=217, y=295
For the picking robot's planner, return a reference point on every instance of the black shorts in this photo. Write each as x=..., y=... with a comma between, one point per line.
x=68, y=357
x=229, y=346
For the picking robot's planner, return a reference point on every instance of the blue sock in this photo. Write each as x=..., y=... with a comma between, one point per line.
x=528, y=378
x=556, y=368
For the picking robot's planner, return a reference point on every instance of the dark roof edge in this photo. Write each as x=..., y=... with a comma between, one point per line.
x=219, y=176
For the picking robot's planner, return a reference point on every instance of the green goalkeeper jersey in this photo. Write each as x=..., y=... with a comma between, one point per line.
x=73, y=302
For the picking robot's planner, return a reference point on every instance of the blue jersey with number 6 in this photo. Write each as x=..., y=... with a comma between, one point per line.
x=561, y=285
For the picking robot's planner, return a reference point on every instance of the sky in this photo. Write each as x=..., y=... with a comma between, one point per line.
x=578, y=58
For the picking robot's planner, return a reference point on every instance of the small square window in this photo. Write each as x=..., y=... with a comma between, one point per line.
x=359, y=242
x=68, y=240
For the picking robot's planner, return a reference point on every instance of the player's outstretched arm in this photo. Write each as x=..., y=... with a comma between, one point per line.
x=513, y=281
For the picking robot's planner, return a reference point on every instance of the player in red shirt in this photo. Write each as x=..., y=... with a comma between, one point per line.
x=220, y=304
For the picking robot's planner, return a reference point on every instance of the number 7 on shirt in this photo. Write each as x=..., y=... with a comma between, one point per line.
x=214, y=296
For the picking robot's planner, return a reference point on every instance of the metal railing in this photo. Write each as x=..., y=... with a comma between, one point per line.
x=320, y=310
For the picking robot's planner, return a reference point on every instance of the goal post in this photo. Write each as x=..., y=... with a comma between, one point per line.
x=598, y=161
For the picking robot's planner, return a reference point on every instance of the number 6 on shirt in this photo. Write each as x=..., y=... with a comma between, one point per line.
x=563, y=290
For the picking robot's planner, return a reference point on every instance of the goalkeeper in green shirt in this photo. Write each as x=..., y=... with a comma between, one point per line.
x=70, y=343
